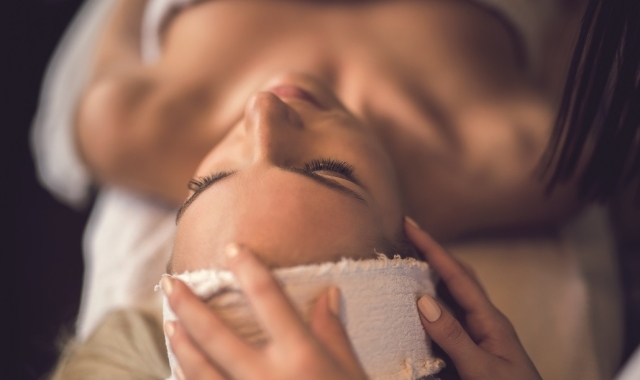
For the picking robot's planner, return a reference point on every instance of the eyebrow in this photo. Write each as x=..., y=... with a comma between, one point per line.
x=324, y=181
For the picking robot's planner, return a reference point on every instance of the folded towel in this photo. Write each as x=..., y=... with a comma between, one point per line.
x=378, y=309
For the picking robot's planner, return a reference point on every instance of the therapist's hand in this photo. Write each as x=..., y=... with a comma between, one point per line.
x=487, y=347
x=208, y=349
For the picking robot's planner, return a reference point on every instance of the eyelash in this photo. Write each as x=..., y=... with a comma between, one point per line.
x=339, y=167
x=321, y=164
x=198, y=183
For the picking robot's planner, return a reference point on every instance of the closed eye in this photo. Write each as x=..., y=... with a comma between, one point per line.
x=343, y=169
x=310, y=170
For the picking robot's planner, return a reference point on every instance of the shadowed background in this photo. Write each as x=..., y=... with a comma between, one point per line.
x=44, y=250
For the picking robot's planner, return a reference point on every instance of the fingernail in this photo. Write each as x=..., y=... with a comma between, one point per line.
x=232, y=250
x=178, y=372
x=167, y=286
x=335, y=301
x=169, y=328
x=429, y=308
x=412, y=222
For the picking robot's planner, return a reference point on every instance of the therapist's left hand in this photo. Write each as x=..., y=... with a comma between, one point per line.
x=206, y=348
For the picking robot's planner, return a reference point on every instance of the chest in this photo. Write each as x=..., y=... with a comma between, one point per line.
x=411, y=68
x=419, y=49
x=438, y=81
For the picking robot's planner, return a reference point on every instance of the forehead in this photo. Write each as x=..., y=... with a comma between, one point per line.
x=286, y=219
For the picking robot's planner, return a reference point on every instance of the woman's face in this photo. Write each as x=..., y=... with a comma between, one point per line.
x=297, y=180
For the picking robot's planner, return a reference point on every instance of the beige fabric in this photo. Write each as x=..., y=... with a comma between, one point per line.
x=562, y=294
x=126, y=345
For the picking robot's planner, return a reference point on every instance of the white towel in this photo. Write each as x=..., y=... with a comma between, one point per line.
x=379, y=309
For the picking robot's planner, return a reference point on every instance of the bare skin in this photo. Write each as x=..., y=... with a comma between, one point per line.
x=303, y=180
x=440, y=83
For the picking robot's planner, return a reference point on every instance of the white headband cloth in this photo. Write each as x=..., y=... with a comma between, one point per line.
x=378, y=309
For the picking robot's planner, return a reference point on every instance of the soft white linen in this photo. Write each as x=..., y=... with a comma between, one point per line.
x=631, y=370
x=127, y=245
x=379, y=309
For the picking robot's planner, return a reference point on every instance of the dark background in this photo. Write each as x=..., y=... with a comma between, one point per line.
x=42, y=238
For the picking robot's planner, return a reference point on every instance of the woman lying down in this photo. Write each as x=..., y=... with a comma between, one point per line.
x=310, y=144
x=256, y=189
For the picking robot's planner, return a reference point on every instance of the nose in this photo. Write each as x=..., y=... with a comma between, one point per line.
x=272, y=126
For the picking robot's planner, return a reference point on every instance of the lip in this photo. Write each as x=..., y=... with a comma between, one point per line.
x=290, y=91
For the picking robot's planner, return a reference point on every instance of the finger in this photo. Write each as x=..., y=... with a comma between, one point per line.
x=448, y=333
x=327, y=327
x=193, y=364
x=471, y=272
x=272, y=307
x=464, y=289
x=207, y=331
x=474, y=276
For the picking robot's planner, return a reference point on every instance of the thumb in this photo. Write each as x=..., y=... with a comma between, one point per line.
x=448, y=333
x=328, y=329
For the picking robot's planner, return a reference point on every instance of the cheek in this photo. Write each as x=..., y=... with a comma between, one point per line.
x=193, y=250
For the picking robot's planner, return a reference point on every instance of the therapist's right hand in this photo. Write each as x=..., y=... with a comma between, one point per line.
x=487, y=347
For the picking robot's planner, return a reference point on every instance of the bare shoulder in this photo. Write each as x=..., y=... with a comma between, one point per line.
x=105, y=119
x=119, y=84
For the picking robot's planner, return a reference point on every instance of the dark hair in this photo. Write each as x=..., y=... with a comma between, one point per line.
x=596, y=139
